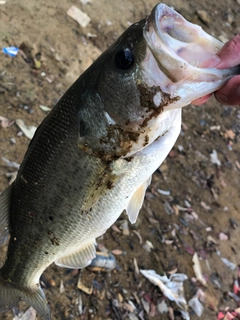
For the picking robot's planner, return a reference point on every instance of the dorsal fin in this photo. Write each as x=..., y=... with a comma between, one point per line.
x=136, y=201
x=5, y=198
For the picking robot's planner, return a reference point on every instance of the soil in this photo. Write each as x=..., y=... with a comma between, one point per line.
x=55, y=50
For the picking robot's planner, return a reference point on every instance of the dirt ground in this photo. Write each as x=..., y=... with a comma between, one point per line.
x=199, y=214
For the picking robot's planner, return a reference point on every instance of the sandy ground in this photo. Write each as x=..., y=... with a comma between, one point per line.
x=200, y=212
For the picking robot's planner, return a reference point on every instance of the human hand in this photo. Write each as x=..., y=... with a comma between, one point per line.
x=228, y=57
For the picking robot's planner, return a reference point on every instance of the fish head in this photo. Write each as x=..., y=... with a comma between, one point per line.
x=153, y=68
x=179, y=48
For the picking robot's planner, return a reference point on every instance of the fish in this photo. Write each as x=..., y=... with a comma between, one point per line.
x=93, y=156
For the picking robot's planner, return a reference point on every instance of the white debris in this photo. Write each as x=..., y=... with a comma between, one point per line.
x=197, y=269
x=79, y=303
x=223, y=236
x=30, y=314
x=164, y=192
x=214, y=158
x=61, y=289
x=228, y=263
x=223, y=37
x=27, y=130
x=12, y=176
x=232, y=266
x=81, y=17
x=12, y=140
x=180, y=148
x=125, y=228
x=44, y=108
x=85, y=1
x=212, y=128
x=188, y=204
x=195, y=303
x=91, y=35
x=171, y=287
x=146, y=305
x=162, y=307
x=148, y=246
x=11, y=163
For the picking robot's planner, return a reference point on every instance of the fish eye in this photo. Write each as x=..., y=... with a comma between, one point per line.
x=124, y=59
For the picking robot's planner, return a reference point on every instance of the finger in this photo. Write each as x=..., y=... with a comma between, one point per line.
x=227, y=57
x=230, y=93
x=229, y=54
x=199, y=101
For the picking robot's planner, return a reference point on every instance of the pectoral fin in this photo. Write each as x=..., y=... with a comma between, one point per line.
x=136, y=201
x=78, y=259
x=5, y=214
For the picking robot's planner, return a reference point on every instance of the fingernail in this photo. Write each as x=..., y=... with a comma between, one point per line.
x=211, y=62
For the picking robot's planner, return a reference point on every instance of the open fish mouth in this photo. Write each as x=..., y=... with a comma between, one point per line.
x=179, y=48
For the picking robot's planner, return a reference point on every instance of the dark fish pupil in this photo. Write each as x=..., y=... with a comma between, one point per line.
x=124, y=59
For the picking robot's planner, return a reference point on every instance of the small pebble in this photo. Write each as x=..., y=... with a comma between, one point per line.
x=203, y=16
x=12, y=140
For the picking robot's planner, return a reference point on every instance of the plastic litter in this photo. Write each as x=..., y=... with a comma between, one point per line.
x=10, y=51
x=171, y=287
x=103, y=262
x=195, y=304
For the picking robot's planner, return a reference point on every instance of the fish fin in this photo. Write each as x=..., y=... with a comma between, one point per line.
x=80, y=258
x=11, y=294
x=136, y=201
x=5, y=198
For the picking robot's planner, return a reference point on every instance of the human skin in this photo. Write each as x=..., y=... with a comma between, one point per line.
x=227, y=57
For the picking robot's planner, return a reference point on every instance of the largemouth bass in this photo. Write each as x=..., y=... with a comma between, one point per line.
x=94, y=154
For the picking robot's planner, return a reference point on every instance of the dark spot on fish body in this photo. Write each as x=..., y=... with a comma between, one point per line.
x=110, y=184
x=129, y=159
x=146, y=140
x=32, y=214
x=55, y=241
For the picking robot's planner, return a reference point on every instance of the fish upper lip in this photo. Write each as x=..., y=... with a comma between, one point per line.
x=177, y=44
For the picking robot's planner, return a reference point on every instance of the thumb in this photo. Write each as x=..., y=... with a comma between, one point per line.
x=230, y=93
